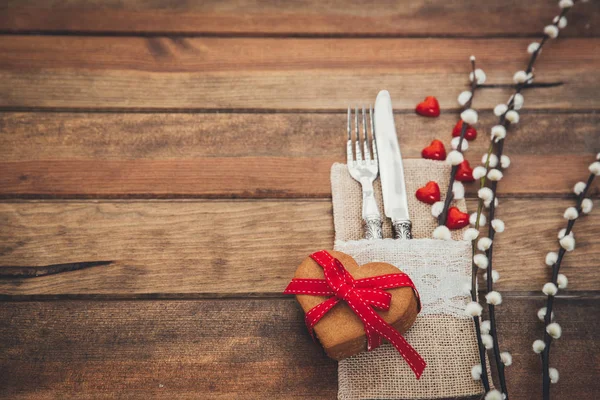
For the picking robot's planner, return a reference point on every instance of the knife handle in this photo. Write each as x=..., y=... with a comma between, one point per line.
x=402, y=229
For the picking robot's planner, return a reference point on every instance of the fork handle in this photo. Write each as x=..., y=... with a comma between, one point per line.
x=370, y=212
x=373, y=228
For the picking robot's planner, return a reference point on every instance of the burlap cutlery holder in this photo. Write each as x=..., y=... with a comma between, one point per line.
x=442, y=334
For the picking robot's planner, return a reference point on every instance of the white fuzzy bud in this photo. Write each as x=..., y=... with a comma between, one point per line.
x=586, y=206
x=473, y=309
x=479, y=172
x=476, y=372
x=571, y=213
x=532, y=48
x=562, y=232
x=520, y=77
x=495, y=175
x=541, y=314
x=498, y=132
x=480, y=260
x=473, y=219
x=470, y=234
x=437, y=208
x=565, y=3
x=458, y=190
x=518, y=101
x=494, y=394
x=495, y=276
x=579, y=187
x=485, y=193
x=464, y=97
x=469, y=116
x=553, y=374
x=455, y=157
x=512, y=116
x=494, y=298
x=562, y=21
x=442, y=232
x=493, y=160
x=551, y=258
x=472, y=58
x=498, y=225
x=464, y=145
x=484, y=243
x=500, y=109
x=550, y=289
x=504, y=161
x=562, y=281
x=538, y=346
x=479, y=75
x=554, y=330
x=506, y=358
x=486, y=326
x=487, y=341
x=551, y=31
x=595, y=168
x=567, y=243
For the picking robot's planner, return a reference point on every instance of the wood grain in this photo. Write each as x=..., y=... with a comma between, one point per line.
x=222, y=349
x=39, y=136
x=72, y=155
x=417, y=18
x=117, y=73
x=220, y=248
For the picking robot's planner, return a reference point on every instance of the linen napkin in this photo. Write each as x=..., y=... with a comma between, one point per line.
x=441, y=271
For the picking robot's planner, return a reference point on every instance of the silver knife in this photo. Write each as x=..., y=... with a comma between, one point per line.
x=391, y=171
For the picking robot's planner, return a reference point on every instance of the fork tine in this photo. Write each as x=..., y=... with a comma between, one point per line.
x=375, y=159
x=365, y=135
x=358, y=151
x=349, y=156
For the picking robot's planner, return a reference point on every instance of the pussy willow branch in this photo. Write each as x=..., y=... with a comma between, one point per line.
x=549, y=304
x=499, y=147
x=449, y=193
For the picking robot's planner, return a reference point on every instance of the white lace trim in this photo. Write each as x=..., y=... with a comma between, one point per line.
x=440, y=269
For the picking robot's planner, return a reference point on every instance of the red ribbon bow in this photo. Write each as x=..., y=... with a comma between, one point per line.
x=361, y=295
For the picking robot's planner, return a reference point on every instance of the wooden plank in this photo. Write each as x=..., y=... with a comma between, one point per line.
x=222, y=349
x=242, y=73
x=80, y=155
x=222, y=248
x=37, y=136
x=419, y=18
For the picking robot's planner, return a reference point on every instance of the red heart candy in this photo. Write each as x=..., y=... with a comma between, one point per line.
x=456, y=219
x=430, y=193
x=435, y=151
x=470, y=133
x=428, y=107
x=464, y=173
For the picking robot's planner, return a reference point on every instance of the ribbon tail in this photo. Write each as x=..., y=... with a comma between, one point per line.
x=376, y=327
x=315, y=314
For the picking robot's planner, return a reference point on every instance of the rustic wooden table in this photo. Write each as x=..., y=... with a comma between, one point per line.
x=188, y=147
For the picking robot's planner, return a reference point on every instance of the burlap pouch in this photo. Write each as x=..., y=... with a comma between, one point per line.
x=441, y=270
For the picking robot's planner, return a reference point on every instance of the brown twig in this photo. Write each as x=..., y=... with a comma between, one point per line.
x=549, y=304
x=499, y=147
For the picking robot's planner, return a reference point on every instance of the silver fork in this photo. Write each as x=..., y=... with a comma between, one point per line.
x=364, y=170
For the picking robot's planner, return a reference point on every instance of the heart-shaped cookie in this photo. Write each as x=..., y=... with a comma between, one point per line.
x=428, y=107
x=340, y=330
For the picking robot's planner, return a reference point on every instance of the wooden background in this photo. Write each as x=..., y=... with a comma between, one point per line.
x=187, y=146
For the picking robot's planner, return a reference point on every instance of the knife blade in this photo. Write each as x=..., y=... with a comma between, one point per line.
x=391, y=170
